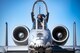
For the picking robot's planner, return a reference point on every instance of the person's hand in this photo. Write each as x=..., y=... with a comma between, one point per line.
x=42, y=24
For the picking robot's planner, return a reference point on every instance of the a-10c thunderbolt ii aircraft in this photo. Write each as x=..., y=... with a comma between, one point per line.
x=40, y=39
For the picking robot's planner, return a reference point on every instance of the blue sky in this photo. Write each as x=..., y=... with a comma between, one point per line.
x=18, y=12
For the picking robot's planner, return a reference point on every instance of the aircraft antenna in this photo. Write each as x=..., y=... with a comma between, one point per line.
x=6, y=34
x=39, y=9
x=74, y=35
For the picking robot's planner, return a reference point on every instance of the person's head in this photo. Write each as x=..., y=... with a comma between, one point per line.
x=39, y=16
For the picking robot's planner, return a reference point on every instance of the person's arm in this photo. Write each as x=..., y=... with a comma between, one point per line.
x=47, y=17
x=32, y=17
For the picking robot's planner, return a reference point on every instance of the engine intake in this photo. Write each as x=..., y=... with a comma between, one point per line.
x=60, y=35
x=20, y=35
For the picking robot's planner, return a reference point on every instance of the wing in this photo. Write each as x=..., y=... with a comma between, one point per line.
x=66, y=49
x=14, y=49
x=55, y=49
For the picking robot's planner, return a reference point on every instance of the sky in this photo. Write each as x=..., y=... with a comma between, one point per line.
x=18, y=13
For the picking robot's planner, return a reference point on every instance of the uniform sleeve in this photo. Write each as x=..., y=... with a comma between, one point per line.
x=47, y=17
x=32, y=17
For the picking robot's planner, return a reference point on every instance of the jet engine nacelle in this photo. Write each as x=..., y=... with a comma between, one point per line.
x=20, y=35
x=60, y=35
